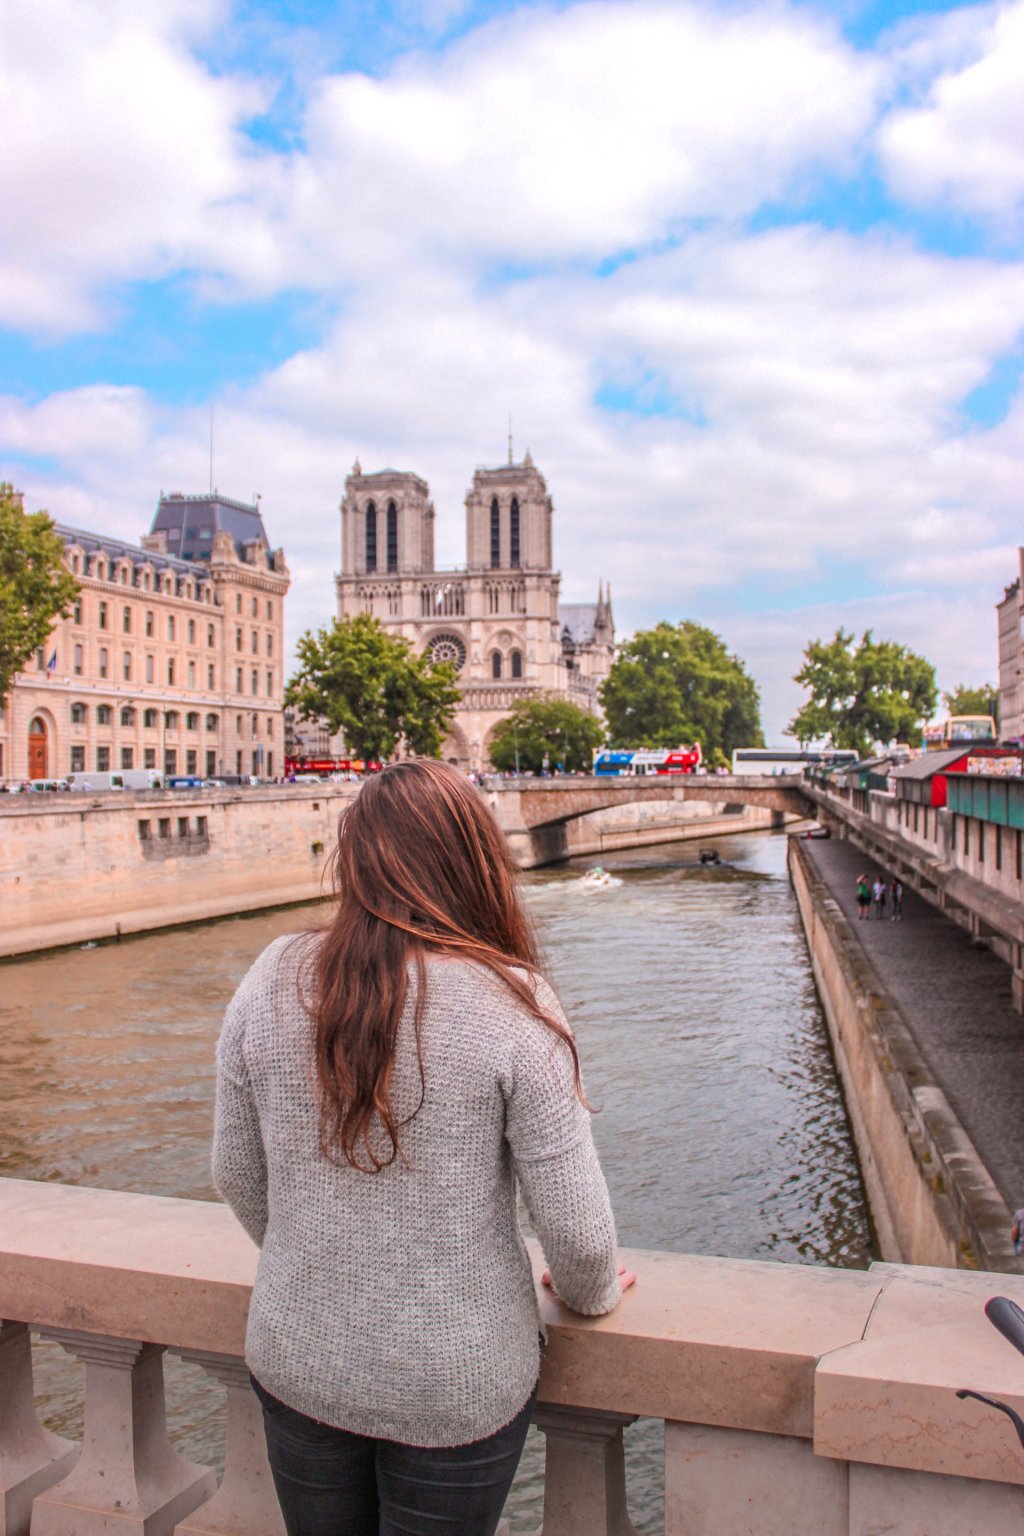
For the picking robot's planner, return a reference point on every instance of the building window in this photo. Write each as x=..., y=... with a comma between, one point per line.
x=170, y=626
x=191, y=674
x=103, y=615
x=78, y=610
x=981, y=842
x=127, y=757
x=102, y=759
x=999, y=848
x=104, y=714
x=144, y=830
x=238, y=679
x=150, y=669
x=40, y=659
x=165, y=821
x=171, y=720
x=240, y=724
x=255, y=681
x=126, y=620
x=149, y=720
x=128, y=717
x=209, y=634
x=517, y=663
x=210, y=675
x=191, y=760
x=495, y=534
x=211, y=764
x=270, y=645
x=191, y=631
x=191, y=722
x=149, y=624
x=149, y=757
x=238, y=602
x=77, y=759
x=270, y=685
x=270, y=764
x=238, y=761
x=270, y=611
x=78, y=714
x=211, y=722
x=371, y=536
x=104, y=661
x=392, y=537
x=126, y=666
x=254, y=643
x=238, y=639
x=255, y=725
x=514, y=532
x=270, y=725
x=78, y=661
x=170, y=671
x=495, y=664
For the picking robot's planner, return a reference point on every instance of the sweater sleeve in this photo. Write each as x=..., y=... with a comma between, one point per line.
x=560, y=1178
x=239, y=1160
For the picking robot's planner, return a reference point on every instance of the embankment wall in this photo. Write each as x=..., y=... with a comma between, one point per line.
x=931, y=1198
x=74, y=868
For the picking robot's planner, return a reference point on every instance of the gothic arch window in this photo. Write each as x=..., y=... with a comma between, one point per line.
x=517, y=663
x=495, y=535
x=392, y=537
x=371, y=536
x=495, y=664
x=514, y=531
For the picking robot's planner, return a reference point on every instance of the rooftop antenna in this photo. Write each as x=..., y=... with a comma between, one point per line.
x=510, y=438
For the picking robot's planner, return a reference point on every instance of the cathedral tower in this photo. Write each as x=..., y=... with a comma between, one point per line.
x=508, y=519
x=387, y=524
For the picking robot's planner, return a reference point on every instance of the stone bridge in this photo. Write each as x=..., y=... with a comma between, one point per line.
x=533, y=813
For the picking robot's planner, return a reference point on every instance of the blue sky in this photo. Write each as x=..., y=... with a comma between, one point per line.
x=748, y=277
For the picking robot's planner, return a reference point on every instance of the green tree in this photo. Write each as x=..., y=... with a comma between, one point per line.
x=863, y=693
x=35, y=585
x=676, y=684
x=983, y=700
x=551, y=727
x=369, y=684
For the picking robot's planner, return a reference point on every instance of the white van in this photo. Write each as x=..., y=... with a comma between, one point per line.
x=124, y=778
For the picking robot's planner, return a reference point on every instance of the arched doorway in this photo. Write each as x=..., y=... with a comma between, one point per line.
x=37, y=753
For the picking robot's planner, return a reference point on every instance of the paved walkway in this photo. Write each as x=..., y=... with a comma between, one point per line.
x=955, y=1000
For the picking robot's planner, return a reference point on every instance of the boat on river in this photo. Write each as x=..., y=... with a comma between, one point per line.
x=596, y=879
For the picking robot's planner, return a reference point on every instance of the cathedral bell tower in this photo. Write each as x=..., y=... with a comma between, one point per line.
x=387, y=524
x=508, y=519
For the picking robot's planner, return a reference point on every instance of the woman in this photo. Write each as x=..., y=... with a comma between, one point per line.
x=383, y=1088
x=863, y=893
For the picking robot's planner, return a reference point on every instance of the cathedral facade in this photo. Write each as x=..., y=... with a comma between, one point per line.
x=497, y=617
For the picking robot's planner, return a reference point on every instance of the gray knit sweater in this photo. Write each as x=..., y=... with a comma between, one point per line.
x=401, y=1304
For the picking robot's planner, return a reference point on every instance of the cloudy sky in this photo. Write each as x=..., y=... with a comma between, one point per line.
x=748, y=277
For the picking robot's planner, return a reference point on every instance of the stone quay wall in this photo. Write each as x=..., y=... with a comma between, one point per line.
x=76, y=867
x=932, y=1200
x=796, y=1400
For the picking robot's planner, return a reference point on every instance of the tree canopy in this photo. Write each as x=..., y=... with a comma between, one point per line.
x=36, y=587
x=982, y=700
x=864, y=693
x=676, y=684
x=369, y=684
x=545, y=727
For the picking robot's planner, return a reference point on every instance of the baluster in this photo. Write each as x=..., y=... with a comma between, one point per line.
x=31, y=1458
x=584, y=1472
x=245, y=1504
x=129, y=1478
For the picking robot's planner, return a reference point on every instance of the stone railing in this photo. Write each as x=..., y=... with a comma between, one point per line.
x=797, y=1401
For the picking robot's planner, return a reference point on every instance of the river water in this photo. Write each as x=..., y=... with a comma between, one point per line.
x=721, y=1126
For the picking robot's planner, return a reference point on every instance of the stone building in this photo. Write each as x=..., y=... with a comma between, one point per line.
x=173, y=657
x=1010, y=614
x=497, y=617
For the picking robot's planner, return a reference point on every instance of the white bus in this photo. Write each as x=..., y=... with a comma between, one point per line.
x=776, y=760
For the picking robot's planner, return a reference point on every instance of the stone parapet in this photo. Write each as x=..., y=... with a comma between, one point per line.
x=797, y=1401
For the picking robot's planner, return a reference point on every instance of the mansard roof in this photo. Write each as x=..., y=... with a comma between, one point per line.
x=191, y=521
x=96, y=543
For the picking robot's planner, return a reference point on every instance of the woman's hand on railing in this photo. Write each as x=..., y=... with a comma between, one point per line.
x=627, y=1277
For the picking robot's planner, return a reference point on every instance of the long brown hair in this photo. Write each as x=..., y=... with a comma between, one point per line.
x=420, y=867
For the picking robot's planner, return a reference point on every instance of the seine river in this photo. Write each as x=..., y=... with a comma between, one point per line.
x=721, y=1125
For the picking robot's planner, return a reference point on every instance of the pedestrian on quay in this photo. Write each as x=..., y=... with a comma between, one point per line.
x=896, y=894
x=863, y=894
x=385, y=1085
x=878, y=896
x=1017, y=1231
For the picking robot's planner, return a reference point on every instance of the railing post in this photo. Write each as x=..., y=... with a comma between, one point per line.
x=584, y=1471
x=31, y=1458
x=245, y=1504
x=129, y=1478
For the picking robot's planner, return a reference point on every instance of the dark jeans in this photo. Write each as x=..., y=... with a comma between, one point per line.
x=333, y=1483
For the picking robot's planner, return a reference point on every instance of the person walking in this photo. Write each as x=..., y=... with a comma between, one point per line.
x=863, y=895
x=896, y=895
x=1017, y=1231
x=384, y=1086
x=878, y=897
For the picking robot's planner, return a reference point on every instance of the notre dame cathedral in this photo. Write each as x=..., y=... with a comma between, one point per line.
x=497, y=617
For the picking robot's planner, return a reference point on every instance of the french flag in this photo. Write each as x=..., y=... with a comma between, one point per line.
x=51, y=665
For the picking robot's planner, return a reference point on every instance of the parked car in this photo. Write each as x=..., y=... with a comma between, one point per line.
x=184, y=781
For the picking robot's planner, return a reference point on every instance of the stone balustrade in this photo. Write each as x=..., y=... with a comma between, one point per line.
x=797, y=1401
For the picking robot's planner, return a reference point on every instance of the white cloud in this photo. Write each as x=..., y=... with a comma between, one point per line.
x=962, y=144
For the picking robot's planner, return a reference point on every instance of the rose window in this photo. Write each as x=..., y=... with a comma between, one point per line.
x=448, y=648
